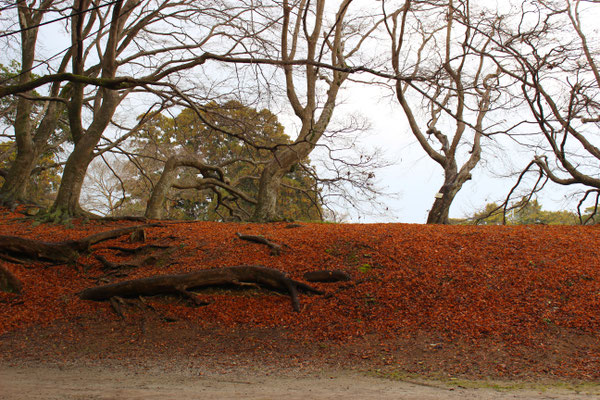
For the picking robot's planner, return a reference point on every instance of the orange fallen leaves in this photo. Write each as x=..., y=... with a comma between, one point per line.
x=509, y=282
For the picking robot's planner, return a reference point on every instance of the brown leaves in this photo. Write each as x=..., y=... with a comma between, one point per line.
x=515, y=283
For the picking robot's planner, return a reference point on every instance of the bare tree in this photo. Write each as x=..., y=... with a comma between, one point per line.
x=447, y=105
x=548, y=52
x=103, y=191
x=310, y=89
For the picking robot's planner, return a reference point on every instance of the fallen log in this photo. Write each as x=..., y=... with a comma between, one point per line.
x=183, y=283
x=61, y=252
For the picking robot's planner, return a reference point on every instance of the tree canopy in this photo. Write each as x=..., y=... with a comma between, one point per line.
x=241, y=158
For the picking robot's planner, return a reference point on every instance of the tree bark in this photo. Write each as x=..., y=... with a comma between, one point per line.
x=15, y=185
x=8, y=282
x=156, y=203
x=268, y=192
x=182, y=283
x=440, y=210
x=66, y=204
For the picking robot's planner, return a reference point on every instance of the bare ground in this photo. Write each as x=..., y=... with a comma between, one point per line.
x=142, y=359
x=111, y=382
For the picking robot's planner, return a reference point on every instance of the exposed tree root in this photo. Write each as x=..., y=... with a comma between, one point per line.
x=116, y=302
x=146, y=249
x=183, y=283
x=62, y=252
x=122, y=218
x=327, y=276
x=138, y=236
x=159, y=257
x=9, y=282
x=275, y=248
x=62, y=216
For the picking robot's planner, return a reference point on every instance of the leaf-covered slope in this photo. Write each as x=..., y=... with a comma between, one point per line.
x=514, y=285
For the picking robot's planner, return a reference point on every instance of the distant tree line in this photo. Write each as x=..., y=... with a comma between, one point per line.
x=527, y=212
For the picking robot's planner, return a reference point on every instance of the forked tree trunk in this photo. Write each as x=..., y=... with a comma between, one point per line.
x=283, y=160
x=105, y=104
x=441, y=206
x=66, y=204
x=313, y=123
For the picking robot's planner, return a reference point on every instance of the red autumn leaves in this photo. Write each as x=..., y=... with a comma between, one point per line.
x=513, y=283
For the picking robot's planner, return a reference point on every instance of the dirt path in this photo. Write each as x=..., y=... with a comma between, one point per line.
x=104, y=383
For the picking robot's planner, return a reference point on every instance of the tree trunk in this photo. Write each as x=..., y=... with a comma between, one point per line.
x=8, y=282
x=28, y=152
x=440, y=209
x=67, y=200
x=268, y=192
x=283, y=160
x=66, y=204
x=156, y=203
x=15, y=184
x=441, y=206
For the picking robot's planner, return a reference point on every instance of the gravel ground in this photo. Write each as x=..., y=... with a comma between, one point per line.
x=114, y=382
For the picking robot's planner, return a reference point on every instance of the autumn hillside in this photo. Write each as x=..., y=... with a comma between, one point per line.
x=522, y=290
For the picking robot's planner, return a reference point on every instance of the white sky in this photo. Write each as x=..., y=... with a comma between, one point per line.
x=415, y=178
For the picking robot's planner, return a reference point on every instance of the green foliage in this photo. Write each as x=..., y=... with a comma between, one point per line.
x=45, y=180
x=521, y=213
x=591, y=215
x=44, y=183
x=241, y=163
x=364, y=268
x=8, y=103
